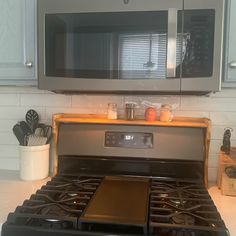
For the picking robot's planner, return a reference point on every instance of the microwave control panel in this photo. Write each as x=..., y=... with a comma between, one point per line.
x=129, y=139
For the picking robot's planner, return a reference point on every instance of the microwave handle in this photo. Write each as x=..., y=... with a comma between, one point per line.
x=171, y=42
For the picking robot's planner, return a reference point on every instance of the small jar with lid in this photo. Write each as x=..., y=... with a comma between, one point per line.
x=112, y=111
x=130, y=111
x=151, y=114
x=166, y=113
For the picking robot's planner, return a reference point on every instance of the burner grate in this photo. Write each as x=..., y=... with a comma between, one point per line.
x=58, y=204
x=176, y=205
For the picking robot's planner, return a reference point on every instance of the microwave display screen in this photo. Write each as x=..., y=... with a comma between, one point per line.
x=127, y=45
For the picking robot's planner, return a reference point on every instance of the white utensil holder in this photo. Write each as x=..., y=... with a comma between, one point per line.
x=34, y=162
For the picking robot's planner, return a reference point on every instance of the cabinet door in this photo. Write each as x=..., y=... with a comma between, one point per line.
x=17, y=42
x=231, y=61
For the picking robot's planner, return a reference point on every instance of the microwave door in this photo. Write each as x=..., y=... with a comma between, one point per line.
x=113, y=47
x=202, y=52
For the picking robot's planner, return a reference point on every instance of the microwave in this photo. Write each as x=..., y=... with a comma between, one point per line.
x=130, y=46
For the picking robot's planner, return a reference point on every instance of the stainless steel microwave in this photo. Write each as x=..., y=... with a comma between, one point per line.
x=124, y=46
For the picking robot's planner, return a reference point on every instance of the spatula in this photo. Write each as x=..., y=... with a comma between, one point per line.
x=19, y=133
x=32, y=119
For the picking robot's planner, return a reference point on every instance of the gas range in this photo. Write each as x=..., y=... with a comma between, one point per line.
x=123, y=180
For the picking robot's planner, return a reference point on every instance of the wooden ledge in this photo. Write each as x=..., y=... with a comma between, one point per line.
x=101, y=119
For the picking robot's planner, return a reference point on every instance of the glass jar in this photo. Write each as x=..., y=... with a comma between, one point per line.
x=112, y=111
x=166, y=113
x=130, y=111
x=151, y=114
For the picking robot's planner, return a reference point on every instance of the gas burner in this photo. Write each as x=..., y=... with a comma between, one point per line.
x=60, y=198
x=72, y=194
x=58, y=210
x=89, y=184
x=52, y=220
x=183, y=219
x=179, y=202
x=187, y=206
x=162, y=195
x=178, y=189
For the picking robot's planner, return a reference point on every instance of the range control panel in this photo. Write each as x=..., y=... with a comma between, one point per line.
x=129, y=139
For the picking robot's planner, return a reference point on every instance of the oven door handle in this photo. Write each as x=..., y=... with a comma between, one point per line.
x=172, y=42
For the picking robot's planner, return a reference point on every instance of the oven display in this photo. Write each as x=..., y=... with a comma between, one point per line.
x=129, y=139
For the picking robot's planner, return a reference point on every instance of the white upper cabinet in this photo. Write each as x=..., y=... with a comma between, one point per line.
x=230, y=65
x=17, y=42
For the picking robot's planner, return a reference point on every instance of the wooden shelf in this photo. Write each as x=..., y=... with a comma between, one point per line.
x=96, y=119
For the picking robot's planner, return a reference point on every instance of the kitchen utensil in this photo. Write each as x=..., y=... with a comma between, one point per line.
x=35, y=140
x=25, y=127
x=231, y=171
x=226, y=141
x=39, y=132
x=48, y=132
x=19, y=133
x=32, y=119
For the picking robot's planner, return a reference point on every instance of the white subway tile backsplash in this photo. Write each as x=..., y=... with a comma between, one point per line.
x=20, y=90
x=45, y=100
x=223, y=118
x=212, y=174
x=198, y=114
x=145, y=101
x=15, y=101
x=225, y=93
x=215, y=145
x=213, y=160
x=9, y=163
x=74, y=110
x=18, y=113
x=6, y=125
x=8, y=138
x=96, y=101
x=9, y=151
x=9, y=100
x=196, y=103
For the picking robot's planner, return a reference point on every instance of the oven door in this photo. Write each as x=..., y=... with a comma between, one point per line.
x=109, y=45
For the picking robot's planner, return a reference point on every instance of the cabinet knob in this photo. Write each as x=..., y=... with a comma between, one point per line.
x=29, y=64
x=232, y=64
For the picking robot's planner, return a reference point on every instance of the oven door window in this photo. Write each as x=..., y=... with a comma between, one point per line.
x=118, y=45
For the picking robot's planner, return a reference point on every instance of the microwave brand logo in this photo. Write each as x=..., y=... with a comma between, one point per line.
x=126, y=1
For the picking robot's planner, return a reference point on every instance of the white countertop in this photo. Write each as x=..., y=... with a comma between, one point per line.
x=13, y=192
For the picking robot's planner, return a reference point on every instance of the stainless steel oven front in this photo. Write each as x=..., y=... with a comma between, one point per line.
x=130, y=45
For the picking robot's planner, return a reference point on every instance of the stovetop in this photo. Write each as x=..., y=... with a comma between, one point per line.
x=175, y=208
x=123, y=180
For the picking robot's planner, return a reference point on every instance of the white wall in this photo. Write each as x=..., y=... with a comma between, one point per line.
x=14, y=103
